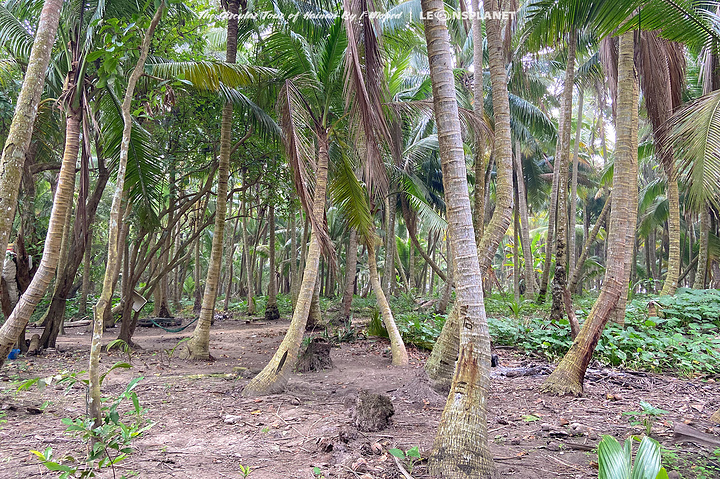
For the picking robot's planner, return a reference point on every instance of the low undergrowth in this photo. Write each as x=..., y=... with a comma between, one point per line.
x=686, y=345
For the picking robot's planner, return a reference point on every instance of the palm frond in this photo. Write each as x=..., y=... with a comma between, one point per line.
x=210, y=75
x=14, y=36
x=348, y=194
x=693, y=133
x=364, y=88
x=257, y=117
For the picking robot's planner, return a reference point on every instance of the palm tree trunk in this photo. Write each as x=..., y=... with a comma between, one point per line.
x=21, y=128
x=569, y=375
x=516, y=253
x=574, y=183
x=297, y=279
x=86, y=283
x=442, y=305
x=350, y=274
x=248, y=258
x=230, y=265
x=577, y=272
x=460, y=449
x=271, y=309
x=524, y=226
x=562, y=156
x=397, y=347
x=479, y=110
x=273, y=378
x=441, y=363
x=199, y=345
x=502, y=153
x=701, y=274
x=103, y=303
x=62, y=203
x=293, y=248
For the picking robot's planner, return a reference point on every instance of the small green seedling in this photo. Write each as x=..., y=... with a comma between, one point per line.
x=408, y=457
x=648, y=415
x=244, y=470
x=318, y=473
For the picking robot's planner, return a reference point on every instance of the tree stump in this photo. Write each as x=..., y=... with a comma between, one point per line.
x=315, y=357
x=372, y=411
x=34, y=347
x=272, y=313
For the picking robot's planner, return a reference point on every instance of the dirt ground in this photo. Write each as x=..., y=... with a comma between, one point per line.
x=204, y=429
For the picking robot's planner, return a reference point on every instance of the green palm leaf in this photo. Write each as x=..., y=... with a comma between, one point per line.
x=694, y=135
x=14, y=36
x=210, y=75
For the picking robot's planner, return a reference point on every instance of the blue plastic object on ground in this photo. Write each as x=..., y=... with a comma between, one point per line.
x=14, y=353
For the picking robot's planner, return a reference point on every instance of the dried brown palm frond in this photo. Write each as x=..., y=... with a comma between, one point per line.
x=365, y=89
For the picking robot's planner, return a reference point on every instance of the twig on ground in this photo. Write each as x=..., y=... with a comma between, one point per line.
x=402, y=469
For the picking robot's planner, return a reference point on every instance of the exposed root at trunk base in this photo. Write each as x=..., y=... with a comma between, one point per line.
x=561, y=386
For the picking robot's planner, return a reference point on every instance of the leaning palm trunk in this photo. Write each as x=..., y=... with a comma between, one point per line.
x=199, y=345
x=504, y=186
x=397, y=346
x=273, y=378
x=62, y=203
x=569, y=375
x=562, y=156
x=460, y=449
x=104, y=303
x=21, y=128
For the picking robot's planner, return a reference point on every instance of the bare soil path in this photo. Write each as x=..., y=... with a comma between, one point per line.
x=204, y=429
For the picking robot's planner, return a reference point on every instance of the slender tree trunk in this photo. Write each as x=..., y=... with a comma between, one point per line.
x=572, y=254
x=21, y=128
x=569, y=375
x=199, y=346
x=516, y=254
x=103, y=303
x=460, y=449
x=230, y=265
x=271, y=310
x=524, y=226
x=248, y=259
x=403, y=276
x=297, y=280
x=562, y=156
x=86, y=281
x=350, y=275
x=397, y=346
x=577, y=272
x=315, y=314
x=479, y=110
x=274, y=376
x=701, y=274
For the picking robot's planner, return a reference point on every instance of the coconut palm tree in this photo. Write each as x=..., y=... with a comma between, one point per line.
x=568, y=377
x=460, y=448
x=310, y=103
